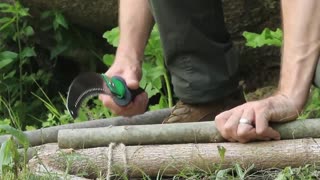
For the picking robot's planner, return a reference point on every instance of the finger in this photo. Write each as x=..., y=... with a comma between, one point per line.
x=220, y=120
x=262, y=126
x=132, y=83
x=244, y=130
x=232, y=123
x=110, y=104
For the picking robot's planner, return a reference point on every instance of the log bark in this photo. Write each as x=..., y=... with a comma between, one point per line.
x=95, y=15
x=196, y=132
x=171, y=159
x=50, y=135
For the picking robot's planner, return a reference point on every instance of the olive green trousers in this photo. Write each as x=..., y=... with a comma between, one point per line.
x=198, y=51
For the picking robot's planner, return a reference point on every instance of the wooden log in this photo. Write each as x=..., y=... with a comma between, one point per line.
x=95, y=15
x=50, y=135
x=171, y=159
x=199, y=132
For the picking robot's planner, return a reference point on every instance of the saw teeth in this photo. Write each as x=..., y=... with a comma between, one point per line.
x=93, y=92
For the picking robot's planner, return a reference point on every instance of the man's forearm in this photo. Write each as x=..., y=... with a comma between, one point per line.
x=301, y=48
x=135, y=23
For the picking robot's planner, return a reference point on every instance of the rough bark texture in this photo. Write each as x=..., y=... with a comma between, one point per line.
x=198, y=132
x=171, y=159
x=49, y=135
x=201, y=132
x=95, y=15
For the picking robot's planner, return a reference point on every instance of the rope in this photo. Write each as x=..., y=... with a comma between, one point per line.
x=124, y=157
x=110, y=155
x=111, y=145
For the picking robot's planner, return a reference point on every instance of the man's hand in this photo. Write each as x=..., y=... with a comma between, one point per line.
x=129, y=56
x=130, y=71
x=277, y=108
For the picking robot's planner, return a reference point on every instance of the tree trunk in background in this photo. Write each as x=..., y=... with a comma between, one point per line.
x=172, y=159
x=95, y=15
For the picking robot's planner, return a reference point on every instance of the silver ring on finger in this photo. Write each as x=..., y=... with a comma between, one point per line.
x=245, y=121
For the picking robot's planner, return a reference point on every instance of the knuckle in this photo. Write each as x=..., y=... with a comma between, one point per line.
x=228, y=128
x=261, y=131
x=241, y=133
x=224, y=135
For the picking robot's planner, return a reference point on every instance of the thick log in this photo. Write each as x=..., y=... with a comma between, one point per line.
x=196, y=132
x=50, y=135
x=171, y=159
x=96, y=15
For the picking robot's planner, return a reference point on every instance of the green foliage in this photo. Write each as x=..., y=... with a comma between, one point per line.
x=306, y=172
x=267, y=37
x=16, y=58
x=312, y=109
x=54, y=22
x=9, y=155
x=155, y=79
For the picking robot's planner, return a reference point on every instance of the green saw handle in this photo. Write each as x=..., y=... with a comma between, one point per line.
x=121, y=94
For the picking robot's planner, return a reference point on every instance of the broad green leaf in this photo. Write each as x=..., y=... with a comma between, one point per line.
x=56, y=51
x=6, y=155
x=108, y=59
x=28, y=31
x=45, y=15
x=27, y=52
x=5, y=20
x=5, y=121
x=8, y=55
x=19, y=135
x=157, y=83
x=30, y=128
x=60, y=20
x=112, y=37
x=150, y=90
x=157, y=72
x=267, y=37
x=5, y=62
x=5, y=5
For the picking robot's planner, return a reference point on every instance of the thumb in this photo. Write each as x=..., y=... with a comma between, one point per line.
x=132, y=80
x=132, y=83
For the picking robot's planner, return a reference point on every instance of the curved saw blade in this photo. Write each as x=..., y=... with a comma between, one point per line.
x=84, y=86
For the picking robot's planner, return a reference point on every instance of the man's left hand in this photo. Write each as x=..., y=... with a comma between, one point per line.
x=250, y=121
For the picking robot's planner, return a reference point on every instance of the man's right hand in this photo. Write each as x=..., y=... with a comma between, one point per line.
x=130, y=71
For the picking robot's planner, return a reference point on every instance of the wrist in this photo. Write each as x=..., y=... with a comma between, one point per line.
x=283, y=108
x=297, y=100
x=130, y=54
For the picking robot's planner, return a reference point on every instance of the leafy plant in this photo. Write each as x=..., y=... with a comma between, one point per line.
x=9, y=155
x=155, y=79
x=54, y=20
x=312, y=109
x=306, y=172
x=267, y=37
x=14, y=26
x=16, y=63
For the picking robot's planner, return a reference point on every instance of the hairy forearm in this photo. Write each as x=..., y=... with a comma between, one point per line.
x=135, y=23
x=301, y=48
